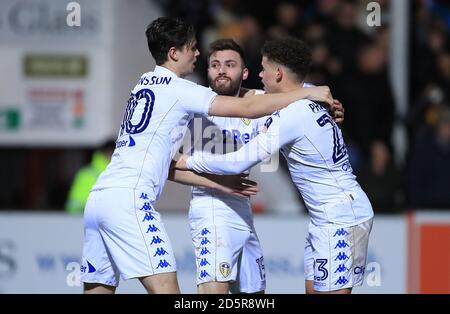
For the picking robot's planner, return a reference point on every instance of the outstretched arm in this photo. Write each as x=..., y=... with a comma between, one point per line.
x=237, y=185
x=255, y=106
x=279, y=131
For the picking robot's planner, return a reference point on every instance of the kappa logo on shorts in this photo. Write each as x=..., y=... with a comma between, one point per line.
x=146, y=207
x=148, y=216
x=341, y=244
x=205, y=231
x=160, y=252
x=342, y=268
x=340, y=232
x=341, y=281
x=204, y=274
x=204, y=262
x=205, y=241
x=341, y=256
x=225, y=269
x=205, y=251
x=157, y=240
x=152, y=228
x=163, y=264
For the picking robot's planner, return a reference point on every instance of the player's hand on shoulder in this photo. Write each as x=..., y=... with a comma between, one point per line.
x=320, y=94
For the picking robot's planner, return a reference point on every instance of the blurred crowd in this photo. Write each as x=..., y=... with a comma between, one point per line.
x=351, y=57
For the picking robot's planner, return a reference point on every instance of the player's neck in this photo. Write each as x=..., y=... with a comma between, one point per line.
x=290, y=86
x=173, y=68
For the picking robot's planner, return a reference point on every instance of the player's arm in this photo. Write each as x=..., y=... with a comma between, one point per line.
x=256, y=106
x=234, y=184
x=280, y=132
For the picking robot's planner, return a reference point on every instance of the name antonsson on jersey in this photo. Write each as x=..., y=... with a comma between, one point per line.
x=154, y=80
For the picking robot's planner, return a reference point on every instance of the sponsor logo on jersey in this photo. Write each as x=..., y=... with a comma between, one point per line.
x=124, y=143
x=237, y=136
x=89, y=267
x=225, y=269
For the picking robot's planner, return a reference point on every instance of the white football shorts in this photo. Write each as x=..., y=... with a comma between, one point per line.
x=123, y=236
x=335, y=257
x=224, y=253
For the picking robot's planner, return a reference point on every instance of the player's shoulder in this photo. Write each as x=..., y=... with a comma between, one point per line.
x=299, y=106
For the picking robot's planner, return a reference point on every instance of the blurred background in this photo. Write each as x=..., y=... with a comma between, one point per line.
x=65, y=79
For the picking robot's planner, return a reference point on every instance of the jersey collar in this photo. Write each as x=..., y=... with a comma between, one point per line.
x=164, y=71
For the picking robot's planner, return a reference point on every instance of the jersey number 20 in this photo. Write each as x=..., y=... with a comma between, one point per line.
x=147, y=98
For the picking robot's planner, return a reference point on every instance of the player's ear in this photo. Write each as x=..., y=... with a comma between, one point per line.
x=244, y=74
x=173, y=54
x=279, y=75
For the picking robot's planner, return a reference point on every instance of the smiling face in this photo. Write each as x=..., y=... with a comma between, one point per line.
x=226, y=72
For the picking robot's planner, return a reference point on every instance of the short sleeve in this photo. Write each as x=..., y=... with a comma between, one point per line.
x=196, y=98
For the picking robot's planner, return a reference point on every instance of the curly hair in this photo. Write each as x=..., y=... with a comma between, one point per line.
x=290, y=52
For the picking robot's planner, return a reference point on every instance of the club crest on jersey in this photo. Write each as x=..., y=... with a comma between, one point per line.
x=225, y=269
x=246, y=121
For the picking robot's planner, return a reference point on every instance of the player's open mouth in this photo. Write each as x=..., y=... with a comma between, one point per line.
x=223, y=80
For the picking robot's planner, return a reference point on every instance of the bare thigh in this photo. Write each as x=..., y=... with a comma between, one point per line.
x=161, y=283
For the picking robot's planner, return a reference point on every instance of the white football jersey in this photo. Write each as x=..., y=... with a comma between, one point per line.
x=153, y=126
x=221, y=135
x=317, y=159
